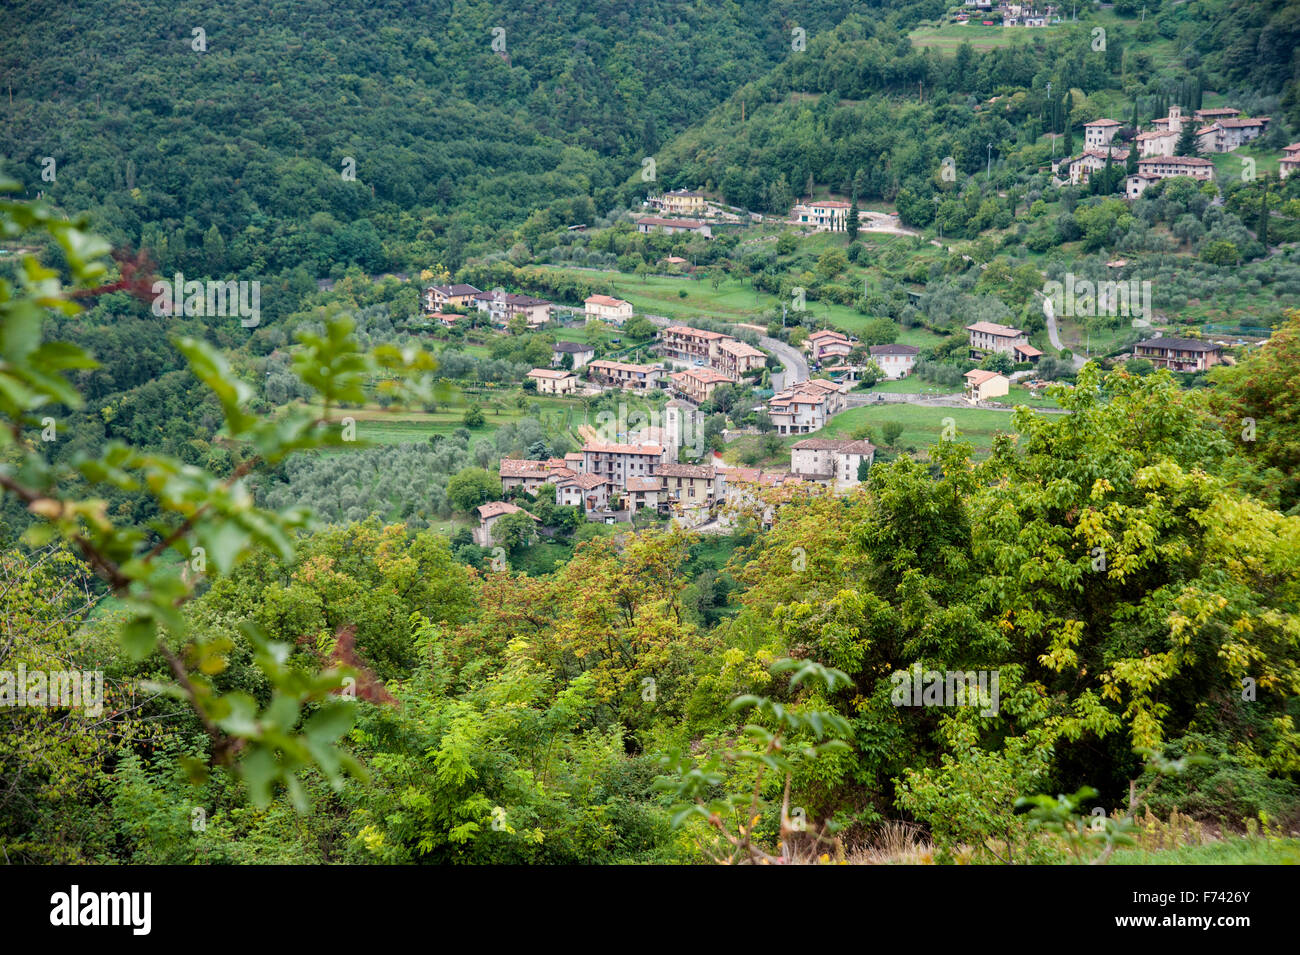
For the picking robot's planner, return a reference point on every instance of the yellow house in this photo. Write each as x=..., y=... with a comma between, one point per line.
x=554, y=381
x=984, y=385
x=681, y=202
x=608, y=309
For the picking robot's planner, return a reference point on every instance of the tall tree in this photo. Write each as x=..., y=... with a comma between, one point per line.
x=851, y=225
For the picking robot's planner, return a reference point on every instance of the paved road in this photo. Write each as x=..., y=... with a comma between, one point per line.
x=1054, y=337
x=795, y=364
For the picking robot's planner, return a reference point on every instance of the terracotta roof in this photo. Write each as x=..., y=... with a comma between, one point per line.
x=1104, y=122
x=698, y=332
x=1238, y=123
x=650, y=483
x=522, y=467
x=993, y=328
x=740, y=475
x=687, y=471
x=585, y=481
x=455, y=289
x=672, y=223
x=845, y=445
x=1179, y=344
x=1029, y=350
x=604, y=300
x=497, y=508
x=510, y=298
x=705, y=376
x=620, y=366
x=978, y=376
x=1175, y=160
x=741, y=350
x=552, y=373
x=598, y=448
x=827, y=333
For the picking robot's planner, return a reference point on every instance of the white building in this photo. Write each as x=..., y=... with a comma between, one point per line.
x=607, y=309
x=805, y=407
x=896, y=361
x=826, y=216
x=833, y=461
x=1099, y=133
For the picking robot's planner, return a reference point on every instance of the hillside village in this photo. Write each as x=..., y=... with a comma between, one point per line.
x=651, y=433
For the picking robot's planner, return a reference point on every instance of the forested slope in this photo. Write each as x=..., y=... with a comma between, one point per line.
x=231, y=160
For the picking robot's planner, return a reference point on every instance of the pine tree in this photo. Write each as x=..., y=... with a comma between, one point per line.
x=1187, y=143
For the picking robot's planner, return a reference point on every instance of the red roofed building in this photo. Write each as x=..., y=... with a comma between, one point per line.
x=698, y=384
x=489, y=514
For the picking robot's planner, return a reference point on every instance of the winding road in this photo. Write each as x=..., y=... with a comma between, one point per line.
x=796, y=366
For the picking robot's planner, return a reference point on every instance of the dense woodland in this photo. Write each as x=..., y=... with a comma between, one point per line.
x=308, y=659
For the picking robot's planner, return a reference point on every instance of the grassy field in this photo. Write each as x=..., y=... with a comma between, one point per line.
x=1020, y=395
x=981, y=38
x=732, y=301
x=912, y=385
x=923, y=426
x=1228, y=166
x=1236, y=850
x=376, y=425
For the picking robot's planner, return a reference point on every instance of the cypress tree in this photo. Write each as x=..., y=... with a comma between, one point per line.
x=1262, y=229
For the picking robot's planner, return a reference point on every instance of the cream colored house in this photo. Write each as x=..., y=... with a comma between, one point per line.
x=689, y=344
x=984, y=385
x=698, y=384
x=828, y=344
x=625, y=375
x=690, y=484
x=554, y=381
x=1290, y=161
x=737, y=359
x=680, y=202
x=460, y=296
x=607, y=309
x=644, y=492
